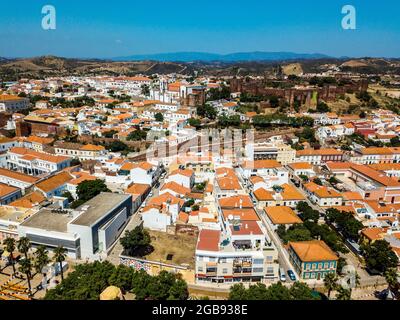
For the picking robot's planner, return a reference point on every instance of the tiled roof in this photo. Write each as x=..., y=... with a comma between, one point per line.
x=54, y=182
x=282, y=215
x=314, y=250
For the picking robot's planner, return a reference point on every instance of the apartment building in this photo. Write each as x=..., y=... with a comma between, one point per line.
x=35, y=163
x=317, y=157
x=17, y=179
x=241, y=253
x=312, y=259
x=323, y=196
x=7, y=143
x=81, y=152
x=10, y=103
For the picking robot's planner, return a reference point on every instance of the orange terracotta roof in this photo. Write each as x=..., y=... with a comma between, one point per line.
x=6, y=190
x=29, y=200
x=38, y=155
x=290, y=193
x=372, y=151
x=374, y=233
x=184, y=172
x=18, y=176
x=92, y=147
x=54, y=182
x=208, y=240
x=322, y=152
x=246, y=214
x=236, y=202
x=300, y=166
x=282, y=215
x=177, y=188
x=314, y=250
x=166, y=198
x=262, y=194
x=322, y=191
x=138, y=189
x=261, y=164
x=352, y=196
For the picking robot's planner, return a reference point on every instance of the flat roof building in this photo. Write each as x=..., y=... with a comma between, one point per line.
x=87, y=232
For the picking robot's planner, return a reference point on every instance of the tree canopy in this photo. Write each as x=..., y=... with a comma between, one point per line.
x=277, y=291
x=136, y=242
x=88, y=189
x=89, y=280
x=379, y=256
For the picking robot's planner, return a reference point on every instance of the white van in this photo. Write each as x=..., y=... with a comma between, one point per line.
x=282, y=275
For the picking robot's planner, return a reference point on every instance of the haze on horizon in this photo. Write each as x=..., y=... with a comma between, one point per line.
x=95, y=29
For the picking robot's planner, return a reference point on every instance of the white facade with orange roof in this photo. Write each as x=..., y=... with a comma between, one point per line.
x=35, y=163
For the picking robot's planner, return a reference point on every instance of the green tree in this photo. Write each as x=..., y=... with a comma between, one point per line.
x=117, y=146
x=238, y=292
x=88, y=189
x=68, y=195
x=318, y=181
x=301, y=291
x=60, y=254
x=159, y=117
x=278, y=291
x=343, y=294
x=137, y=135
x=122, y=277
x=207, y=111
x=25, y=266
x=323, y=107
x=194, y=122
x=24, y=245
x=330, y=283
x=136, y=242
x=392, y=278
x=10, y=245
x=145, y=90
x=41, y=258
x=380, y=256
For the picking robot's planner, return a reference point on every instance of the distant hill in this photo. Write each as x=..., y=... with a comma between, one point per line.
x=45, y=66
x=39, y=67
x=213, y=57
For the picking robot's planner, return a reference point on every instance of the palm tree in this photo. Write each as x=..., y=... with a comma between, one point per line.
x=25, y=266
x=60, y=253
x=10, y=247
x=330, y=283
x=343, y=294
x=23, y=245
x=391, y=278
x=42, y=258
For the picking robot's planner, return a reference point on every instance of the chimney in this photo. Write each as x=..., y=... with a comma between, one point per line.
x=241, y=203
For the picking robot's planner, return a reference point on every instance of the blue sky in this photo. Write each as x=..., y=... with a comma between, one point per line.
x=104, y=29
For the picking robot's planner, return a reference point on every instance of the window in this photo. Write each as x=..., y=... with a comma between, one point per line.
x=319, y=265
x=224, y=270
x=259, y=261
x=258, y=270
x=200, y=269
x=326, y=266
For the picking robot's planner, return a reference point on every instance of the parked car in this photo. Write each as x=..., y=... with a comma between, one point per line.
x=282, y=275
x=291, y=275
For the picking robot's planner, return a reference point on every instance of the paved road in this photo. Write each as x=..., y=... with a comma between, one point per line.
x=283, y=256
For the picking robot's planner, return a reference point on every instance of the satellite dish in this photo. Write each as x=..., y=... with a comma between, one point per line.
x=230, y=217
